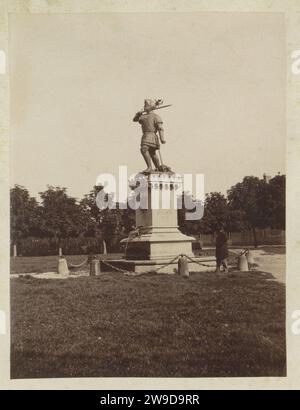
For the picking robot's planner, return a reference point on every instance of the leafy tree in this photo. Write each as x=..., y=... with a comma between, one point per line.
x=62, y=216
x=272, y=202
x=216, y=212
x=262, y=203
x=250, y=204
x=25, y=215
x=248, y=197
x=109, y=225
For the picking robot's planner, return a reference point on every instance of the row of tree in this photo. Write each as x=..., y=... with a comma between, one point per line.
x=58, y=216
x=250, y=204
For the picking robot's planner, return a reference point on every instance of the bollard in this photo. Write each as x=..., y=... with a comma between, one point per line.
x=62, y=268
x=94, y=267
x=243, y=263
x=250, y=258
x=183, y=266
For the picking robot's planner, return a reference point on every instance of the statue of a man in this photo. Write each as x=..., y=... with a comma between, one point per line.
x=151, y=125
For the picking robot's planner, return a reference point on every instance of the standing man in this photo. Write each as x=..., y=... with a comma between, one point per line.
x=221, y=249
x=151, y=125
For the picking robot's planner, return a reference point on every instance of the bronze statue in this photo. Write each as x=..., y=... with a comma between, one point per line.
x=151, y=125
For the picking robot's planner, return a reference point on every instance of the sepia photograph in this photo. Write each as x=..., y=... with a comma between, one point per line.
x=151, y=230
x=184, y=277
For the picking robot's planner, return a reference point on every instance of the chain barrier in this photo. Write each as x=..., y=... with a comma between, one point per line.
x=198, y=263
x=164, y=265
x=167, y=264
x=128, y=272
x=71, y=265
x=238, y=254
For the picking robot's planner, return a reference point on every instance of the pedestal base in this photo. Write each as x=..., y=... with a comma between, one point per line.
x=148, y=266
x=158, y=244
x=157, y=240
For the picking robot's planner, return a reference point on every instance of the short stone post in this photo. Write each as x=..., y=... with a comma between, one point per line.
x=183, y=266
x=62, y=268
x=94, y=266
x=250, y=258
x=243, y=263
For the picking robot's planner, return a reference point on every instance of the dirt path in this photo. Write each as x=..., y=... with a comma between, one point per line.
x=270, y=262
x=273, y=263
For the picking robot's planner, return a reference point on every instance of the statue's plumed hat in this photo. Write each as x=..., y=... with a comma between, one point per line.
x=149, y=102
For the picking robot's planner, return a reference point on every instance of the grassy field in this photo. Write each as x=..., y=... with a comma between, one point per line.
x=156, y=325
x=29, y=264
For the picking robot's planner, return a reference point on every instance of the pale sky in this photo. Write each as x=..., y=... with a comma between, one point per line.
x=77, y=81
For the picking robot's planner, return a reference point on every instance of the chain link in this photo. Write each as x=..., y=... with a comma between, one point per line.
x=128, y=272
x=71, y=265
x=198, y=263
x=164, y=265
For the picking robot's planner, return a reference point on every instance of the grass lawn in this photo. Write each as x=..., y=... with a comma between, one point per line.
x=29, y=264
x=152, y=325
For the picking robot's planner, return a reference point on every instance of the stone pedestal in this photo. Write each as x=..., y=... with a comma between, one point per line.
x=158, y=236
x=157, y=239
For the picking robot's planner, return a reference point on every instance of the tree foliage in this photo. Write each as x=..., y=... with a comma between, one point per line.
x=108, y=224
x=62, y=215
x=25, y=214
x=250, y=204
x=261, y=203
